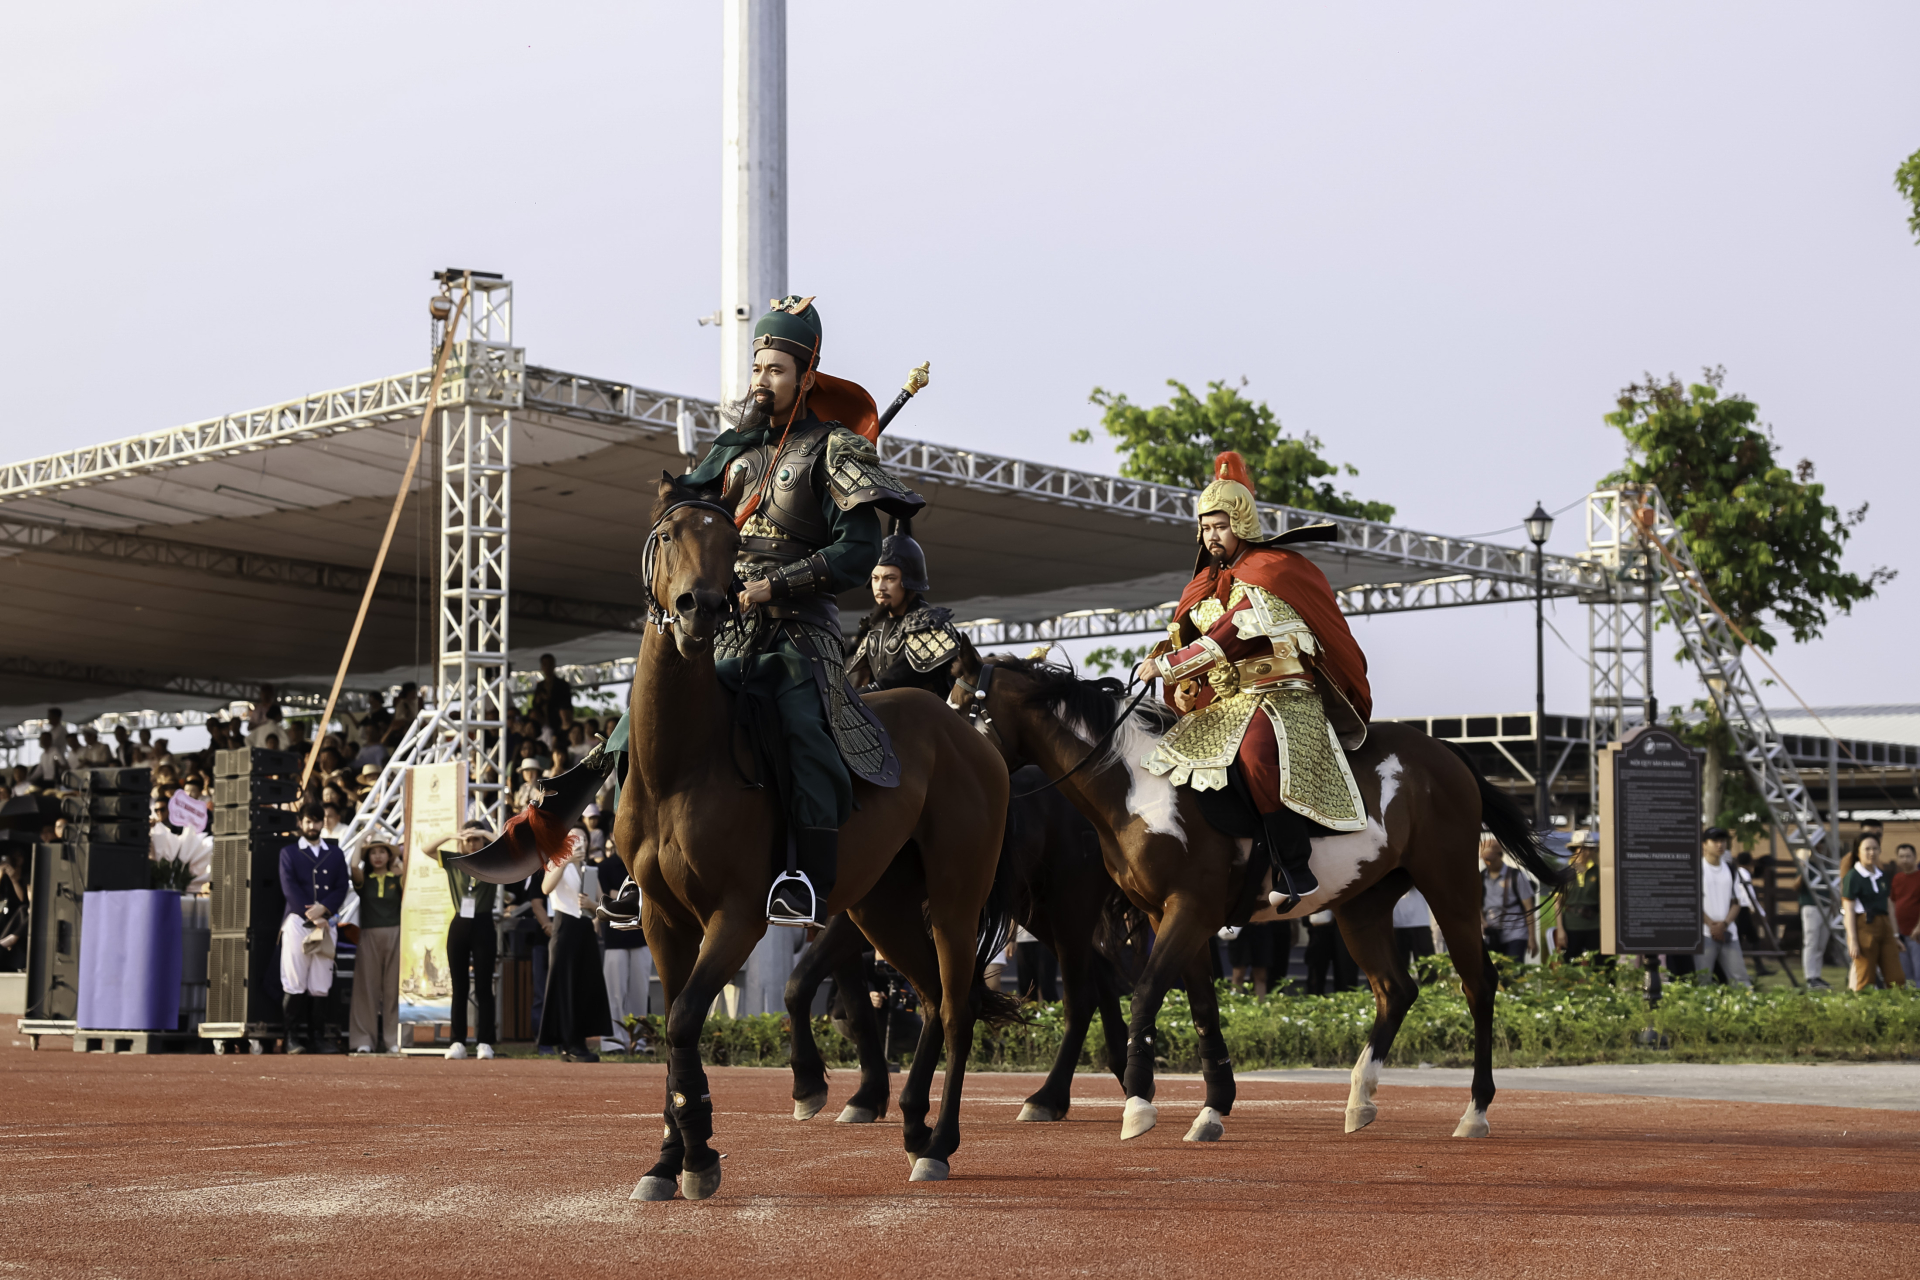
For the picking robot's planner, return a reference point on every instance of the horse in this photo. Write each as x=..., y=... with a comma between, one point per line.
x=917, y=861
x=1062, y=894
x=1425, y=805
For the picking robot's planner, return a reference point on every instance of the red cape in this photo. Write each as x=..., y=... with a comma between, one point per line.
x=1299, y=582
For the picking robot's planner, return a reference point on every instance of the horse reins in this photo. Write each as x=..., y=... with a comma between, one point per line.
x=976, y=713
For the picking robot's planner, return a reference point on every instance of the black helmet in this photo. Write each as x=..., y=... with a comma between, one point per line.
x=903, y=553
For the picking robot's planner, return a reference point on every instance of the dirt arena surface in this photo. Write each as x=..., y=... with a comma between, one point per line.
x=273, y=1166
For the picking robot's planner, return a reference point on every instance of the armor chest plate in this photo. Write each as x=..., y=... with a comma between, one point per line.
x=793, y=492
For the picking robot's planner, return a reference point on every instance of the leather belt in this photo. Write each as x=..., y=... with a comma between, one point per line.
x=1277, y=668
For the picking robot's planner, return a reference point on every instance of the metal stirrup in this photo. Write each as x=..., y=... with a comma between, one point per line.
x=813, y=900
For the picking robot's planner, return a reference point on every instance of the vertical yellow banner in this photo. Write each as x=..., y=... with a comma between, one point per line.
x=436, y=799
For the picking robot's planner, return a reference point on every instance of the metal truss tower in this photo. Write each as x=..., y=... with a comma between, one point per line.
x=1631, y=533
x=485, y=383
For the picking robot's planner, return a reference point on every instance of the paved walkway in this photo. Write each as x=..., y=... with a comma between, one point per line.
x=1886, y=1086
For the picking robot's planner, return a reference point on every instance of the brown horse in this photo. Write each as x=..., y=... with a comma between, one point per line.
x=1061, y=893
x=1425, y=806
x=699, y=840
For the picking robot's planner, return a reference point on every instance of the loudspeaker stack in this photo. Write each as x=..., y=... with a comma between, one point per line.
x=252, y=787
x=106, y=848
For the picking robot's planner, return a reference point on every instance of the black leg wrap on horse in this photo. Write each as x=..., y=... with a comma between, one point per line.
x=1218, y=1074
x=687, y=1100
x=1138, y=1080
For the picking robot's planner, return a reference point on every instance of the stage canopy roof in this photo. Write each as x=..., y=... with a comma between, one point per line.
x=180, y=569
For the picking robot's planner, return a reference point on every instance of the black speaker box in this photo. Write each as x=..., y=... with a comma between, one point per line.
x=53, y=937
x=113, y=808
x=116, y=832
x=243, y=977
x=255, y=788
x=237, y=821
x=246, y=883
x=112, y=866
x=126, y=781
x=242, y=761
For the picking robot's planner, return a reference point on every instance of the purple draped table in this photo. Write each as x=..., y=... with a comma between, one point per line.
x=130, y=953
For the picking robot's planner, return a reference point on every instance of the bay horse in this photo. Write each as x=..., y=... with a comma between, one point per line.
x=1425, y=805
x=1061, y=893
x=917, y=862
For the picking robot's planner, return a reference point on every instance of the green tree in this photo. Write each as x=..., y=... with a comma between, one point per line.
x=1767, y=543
x=1906, y=180
x=1176, y=443
x=1107, y=657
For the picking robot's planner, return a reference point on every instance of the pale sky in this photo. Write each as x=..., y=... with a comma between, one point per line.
x=1438, y=237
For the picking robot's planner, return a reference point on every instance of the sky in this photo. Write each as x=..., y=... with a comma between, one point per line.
x=1439, y=238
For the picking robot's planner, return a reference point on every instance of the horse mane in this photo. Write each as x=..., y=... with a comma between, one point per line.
x=1093, y=704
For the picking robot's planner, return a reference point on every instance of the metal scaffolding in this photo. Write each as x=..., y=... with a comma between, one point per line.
x=485, y=383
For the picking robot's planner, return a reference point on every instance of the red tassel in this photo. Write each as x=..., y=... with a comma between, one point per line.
x=542, y=830
x=1231, y=466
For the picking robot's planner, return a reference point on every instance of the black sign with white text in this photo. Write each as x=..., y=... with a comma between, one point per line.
x=1656, y=844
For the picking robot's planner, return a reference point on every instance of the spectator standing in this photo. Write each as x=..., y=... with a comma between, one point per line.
x=1816, y=931
x=375, y=1017
x=336, y=829
x=1506, y=903
x=551, y=696
x=95, y=754
x=57, y=726
x=1327, y=952
x=472, y=947
x=1250, y=956
x=1905, y=892
x=529, y=791
x=271, y=725
x=371, y=752
x=143, y=750
x=1721, y=903
x=528, y=931
x=15, y=906
x=123, y=751
x=406, y=707
x=1866, y=906
x=576, y=1008
x=1412, y=927
x=313, y=878
x=627, y=966
x=51, y=768
x=1579, y=927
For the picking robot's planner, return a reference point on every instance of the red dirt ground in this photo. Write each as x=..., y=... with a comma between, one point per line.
x=251, y=1166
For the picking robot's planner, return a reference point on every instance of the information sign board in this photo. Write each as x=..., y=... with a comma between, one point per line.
x=1650, y=896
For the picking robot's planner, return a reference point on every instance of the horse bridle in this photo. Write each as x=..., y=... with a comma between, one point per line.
x=977, y=715
x=658, y=617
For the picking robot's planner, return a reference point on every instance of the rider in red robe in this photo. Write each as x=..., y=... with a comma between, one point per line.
x=1267, y=678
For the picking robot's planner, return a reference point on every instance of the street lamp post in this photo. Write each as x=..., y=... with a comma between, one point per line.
x=1539, y=529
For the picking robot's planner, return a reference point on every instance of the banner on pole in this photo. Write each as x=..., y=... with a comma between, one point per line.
x=436, y=800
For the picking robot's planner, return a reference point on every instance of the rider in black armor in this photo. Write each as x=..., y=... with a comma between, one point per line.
x=905, y=642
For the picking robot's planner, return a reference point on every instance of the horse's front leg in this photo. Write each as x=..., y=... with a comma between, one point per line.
x=730, y=938
x=1216, y=1067
x=1179, y=943
x=827, y=953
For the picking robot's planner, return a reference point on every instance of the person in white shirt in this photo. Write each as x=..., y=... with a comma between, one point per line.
x=575, y=1009
x=96, y=754
x=58, y=727
x=272, y=725
x=51, y=768
x=1720, y=906
x=1412, y=927
x=333, y=827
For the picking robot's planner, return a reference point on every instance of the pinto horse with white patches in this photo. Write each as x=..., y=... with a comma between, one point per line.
x=1425, y=806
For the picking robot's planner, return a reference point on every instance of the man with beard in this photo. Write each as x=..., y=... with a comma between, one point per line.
x=1284, y=688
x=799, y=470
x=905, y=642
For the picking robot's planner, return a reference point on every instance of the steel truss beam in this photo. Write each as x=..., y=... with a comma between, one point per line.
x=311, y=575
x=222, y=691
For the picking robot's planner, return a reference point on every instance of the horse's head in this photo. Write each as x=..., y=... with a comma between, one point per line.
x=688, y=564
x=1019, y=704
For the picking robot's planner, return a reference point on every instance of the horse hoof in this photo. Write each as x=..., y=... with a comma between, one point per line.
x=1359, y=1118
x=653, y=1187
x=1472, y=1125
x=1137, y=1117
x=1206, y=1127
x=1033, y=1111
x=808, y=1107
x=857, y=1115
x=698, y=1186
x=927, y=1169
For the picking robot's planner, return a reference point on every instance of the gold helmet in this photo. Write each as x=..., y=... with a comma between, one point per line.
x=1231, y=494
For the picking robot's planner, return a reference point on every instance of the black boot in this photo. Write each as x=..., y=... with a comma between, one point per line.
x=804, y=900
x=317, y=1041
x=1290, y=846
x=293, y=1011
x=621, y=908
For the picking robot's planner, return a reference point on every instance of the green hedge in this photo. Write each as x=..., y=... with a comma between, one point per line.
x=1543, y=1014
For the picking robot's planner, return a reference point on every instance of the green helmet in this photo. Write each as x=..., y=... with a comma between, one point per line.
x=792, y=326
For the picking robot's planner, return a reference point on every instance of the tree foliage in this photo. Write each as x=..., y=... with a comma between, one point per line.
x=1906, y=180
x=1176, y=443
x=1767, y=543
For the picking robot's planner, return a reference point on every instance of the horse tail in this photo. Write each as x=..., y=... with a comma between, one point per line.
x=996, y=1008
x=1512, y=827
